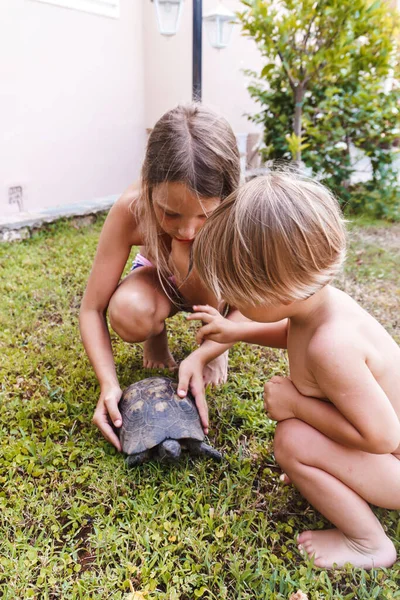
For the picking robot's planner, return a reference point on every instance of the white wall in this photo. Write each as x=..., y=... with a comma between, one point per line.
x=168, y=72
x=71, y=102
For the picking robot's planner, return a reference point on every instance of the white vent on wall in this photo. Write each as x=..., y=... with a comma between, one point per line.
x=106, y=8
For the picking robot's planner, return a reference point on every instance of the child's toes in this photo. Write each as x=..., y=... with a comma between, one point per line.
x=304, y=537
x=285, y=479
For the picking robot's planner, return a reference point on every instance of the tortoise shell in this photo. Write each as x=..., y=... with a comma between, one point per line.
x=152, y=412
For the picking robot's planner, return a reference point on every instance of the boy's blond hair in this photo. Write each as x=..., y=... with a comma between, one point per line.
x=277, y=239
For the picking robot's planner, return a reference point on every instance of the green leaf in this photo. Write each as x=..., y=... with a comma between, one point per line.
x=267, y=69
x=200, y=592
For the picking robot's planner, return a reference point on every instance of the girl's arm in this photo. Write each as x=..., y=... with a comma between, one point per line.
x=191, y=369
x=119, y=234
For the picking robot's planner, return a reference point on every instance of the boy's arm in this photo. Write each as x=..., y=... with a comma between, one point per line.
x=360, y=414
x=237, y=328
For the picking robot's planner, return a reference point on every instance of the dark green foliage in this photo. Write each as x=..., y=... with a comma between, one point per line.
x=323, y=96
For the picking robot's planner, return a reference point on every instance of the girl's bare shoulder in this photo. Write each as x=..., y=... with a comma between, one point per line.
x=122, y=219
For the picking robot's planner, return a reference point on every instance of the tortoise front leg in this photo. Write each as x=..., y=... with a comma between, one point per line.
x=137, y=459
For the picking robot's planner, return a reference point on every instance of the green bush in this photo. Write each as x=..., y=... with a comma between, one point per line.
x=323, y=93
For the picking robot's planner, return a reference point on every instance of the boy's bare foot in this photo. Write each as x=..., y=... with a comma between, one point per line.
x=216, y=372
x=331, y=547
x=156, y=354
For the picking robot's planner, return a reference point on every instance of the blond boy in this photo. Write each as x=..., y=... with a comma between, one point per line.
x=272, y=249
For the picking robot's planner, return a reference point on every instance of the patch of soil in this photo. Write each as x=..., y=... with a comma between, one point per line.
x=381, y=300
x=387, y=238
x=380, y=297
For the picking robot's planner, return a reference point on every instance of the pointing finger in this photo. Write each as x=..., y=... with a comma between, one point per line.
x=200, y=316
x=205, y=308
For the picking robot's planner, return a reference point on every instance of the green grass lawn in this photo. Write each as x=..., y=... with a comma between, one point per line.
x=77, y=524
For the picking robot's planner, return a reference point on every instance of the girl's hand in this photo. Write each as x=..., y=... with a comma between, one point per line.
x=280, y=397
x=217, y=328
x=106, y=410
x=191, y=378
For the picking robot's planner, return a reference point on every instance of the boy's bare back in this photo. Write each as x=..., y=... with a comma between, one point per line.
x=335, y=344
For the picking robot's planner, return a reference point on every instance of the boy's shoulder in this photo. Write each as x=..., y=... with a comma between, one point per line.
x=341, y=330
x=333, y=341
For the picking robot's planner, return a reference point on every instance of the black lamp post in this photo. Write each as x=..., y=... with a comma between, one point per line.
x=197, y=49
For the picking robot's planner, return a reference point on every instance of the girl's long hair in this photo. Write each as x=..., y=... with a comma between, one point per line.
x=190, y=144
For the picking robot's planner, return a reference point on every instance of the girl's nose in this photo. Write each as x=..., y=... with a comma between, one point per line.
x=187, y=232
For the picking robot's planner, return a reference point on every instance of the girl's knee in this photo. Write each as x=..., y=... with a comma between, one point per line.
x=292, y=436
x=130, y=318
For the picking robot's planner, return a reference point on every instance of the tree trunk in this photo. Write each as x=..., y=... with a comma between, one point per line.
x=298, y=109
x=346, y=182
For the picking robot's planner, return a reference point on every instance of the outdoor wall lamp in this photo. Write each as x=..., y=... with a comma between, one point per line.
x=168, y=14
x=219, y=23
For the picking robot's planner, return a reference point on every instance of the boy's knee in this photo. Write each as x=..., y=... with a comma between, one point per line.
x=132, y=321
x=290, y=437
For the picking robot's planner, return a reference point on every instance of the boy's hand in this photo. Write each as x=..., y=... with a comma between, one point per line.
x=191, y=378
x=280, y=397
x=106, y=410
x=217, y=328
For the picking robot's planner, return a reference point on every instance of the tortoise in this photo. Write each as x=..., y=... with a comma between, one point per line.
x=157, y=423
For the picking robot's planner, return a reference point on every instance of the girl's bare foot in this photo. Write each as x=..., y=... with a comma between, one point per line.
x=285, y=479
x=216, y=372
x=156, y=354
x=331, y=547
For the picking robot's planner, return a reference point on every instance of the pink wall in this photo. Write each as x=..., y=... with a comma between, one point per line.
x=71, y=102
x=168, y=73
x=77, y=91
